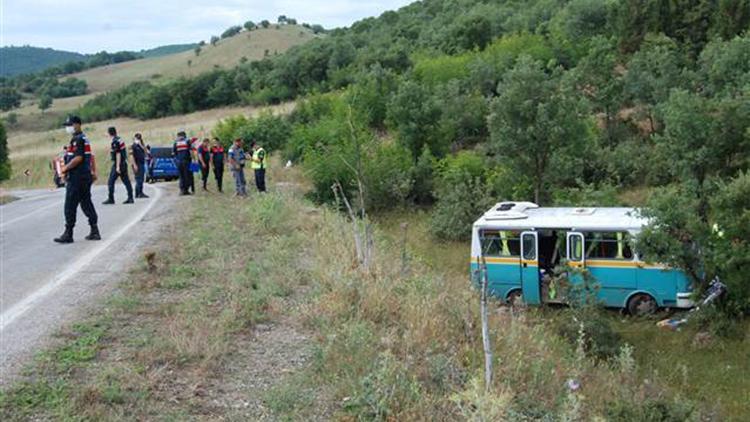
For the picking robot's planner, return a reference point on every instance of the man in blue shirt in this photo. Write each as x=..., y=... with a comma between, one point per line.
x=237, y=164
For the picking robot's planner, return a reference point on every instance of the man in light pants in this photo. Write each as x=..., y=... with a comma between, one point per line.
x=237, y=164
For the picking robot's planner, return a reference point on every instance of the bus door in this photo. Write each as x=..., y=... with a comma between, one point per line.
x=576, y=257
x=530, y=268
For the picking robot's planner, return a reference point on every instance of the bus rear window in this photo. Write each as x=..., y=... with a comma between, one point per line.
x=502, y=243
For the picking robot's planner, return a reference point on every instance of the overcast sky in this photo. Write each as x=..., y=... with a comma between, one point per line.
x=88, y=26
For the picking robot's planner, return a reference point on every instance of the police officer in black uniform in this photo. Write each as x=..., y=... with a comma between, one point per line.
x=119, y=155
x=181, y=151
x=77, y=170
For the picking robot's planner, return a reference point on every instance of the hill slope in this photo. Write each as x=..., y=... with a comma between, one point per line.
x=166, y=50
x=17, y=60
x=227, y=53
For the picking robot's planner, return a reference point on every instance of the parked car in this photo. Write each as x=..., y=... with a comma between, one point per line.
x=163, y=165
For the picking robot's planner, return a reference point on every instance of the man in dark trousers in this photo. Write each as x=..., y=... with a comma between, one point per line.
x=80, y=176
x=118, y=153
x=181, y=151
x=259, y=166
x=217, y=159
x=139, y=164
x=204, y=159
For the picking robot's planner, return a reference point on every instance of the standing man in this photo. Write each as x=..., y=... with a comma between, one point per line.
x=259, y=166
x=217, y=159
x=204, y=159
x=119, y=155
x=181, y=151
x=237, y=164
x=80, y=176
x=138, y=149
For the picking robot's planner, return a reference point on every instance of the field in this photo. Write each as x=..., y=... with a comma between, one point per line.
x=34, y=150
x=227, y=53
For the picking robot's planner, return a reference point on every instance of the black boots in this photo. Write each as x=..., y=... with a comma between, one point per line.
x=94, y=233
x=66, y=237
x=129, y=201
x=109, y=201
x=141, y=195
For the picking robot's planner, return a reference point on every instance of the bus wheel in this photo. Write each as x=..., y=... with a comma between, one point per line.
x=515, y=298
x=642, y=304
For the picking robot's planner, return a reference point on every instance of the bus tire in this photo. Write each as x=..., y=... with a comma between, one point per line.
x=514, y=297
x=642, y=304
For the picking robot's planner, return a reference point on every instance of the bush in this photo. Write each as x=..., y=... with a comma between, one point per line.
x=650, y=410
x=271, y=132
x=231, y=31
x=589, y=325
x=463, y=194
x=4, y=159
x=226, y=129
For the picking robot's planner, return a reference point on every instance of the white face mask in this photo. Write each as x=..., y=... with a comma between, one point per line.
x=70, y=130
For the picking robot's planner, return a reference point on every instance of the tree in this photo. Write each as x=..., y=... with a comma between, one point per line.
x=414, y=114
x=265, y=23
x=249, y=25
x=4, y=160
x=317, y=29
x=536, y=123
x=231, y=31
x=9, y=98
x=214, y=39
x=281, y=19
x=291, y=21
x=11, y=119
x=45, y=102
x=197, y=51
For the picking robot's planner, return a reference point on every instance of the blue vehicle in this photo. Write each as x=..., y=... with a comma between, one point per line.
x=163, y=165
x=522, y=243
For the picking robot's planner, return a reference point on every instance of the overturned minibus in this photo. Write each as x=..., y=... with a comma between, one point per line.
x=522, y=243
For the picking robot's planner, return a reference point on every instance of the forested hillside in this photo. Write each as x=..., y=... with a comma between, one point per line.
x=461, y=103
x=26, y=59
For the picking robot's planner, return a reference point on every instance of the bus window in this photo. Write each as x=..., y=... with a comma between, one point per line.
x=608, y=245
x=575, y=247
x=529, y=246
x=502, y=243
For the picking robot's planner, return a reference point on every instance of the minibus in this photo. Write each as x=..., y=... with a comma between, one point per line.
x=522, y=243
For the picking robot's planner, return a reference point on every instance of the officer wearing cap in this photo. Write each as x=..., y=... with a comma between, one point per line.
x=181, y=151
x=119, y=155
x=80, y=175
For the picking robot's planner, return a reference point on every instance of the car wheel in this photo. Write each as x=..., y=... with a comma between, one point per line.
x=642, y=304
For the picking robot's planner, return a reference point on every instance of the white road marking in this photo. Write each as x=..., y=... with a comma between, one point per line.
x=7, y=317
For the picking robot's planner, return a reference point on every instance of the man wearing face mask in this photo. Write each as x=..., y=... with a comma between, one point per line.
x=78, y=172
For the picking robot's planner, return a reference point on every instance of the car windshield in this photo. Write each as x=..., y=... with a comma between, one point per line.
x=161, y=152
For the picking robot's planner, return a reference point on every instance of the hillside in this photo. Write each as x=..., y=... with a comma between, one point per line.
x=166, y=50
x=227, y=53
x=26, y=59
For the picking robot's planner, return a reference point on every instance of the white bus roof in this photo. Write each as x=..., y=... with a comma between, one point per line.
x=528, y=216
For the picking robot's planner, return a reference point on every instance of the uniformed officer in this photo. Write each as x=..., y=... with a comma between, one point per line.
x=118, y=153
x=259, y=166
x=204, y=159
x=80, y=175
x=181, y=151
x=237, y=160
x=217, y=160
x=139, y=164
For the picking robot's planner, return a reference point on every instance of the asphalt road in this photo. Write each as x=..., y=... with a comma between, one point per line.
x=44, y=284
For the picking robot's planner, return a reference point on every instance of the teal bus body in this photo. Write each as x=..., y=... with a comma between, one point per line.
x=523, y=244
x=615, y=285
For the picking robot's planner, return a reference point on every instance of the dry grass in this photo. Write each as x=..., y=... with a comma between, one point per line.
x=34, y=150
x=227, y=53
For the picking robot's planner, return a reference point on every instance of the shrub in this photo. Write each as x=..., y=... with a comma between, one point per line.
x=462, y=194
x=650, y=410
x=4, y=160
x=590, y=326
x=271, y=132
x=226, y=128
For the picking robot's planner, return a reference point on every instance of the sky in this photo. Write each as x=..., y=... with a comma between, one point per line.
x=89, y=26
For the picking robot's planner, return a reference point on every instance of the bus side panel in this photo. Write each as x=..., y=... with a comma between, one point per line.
x=660, y=282
x=502, y=278
x=615, y=283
